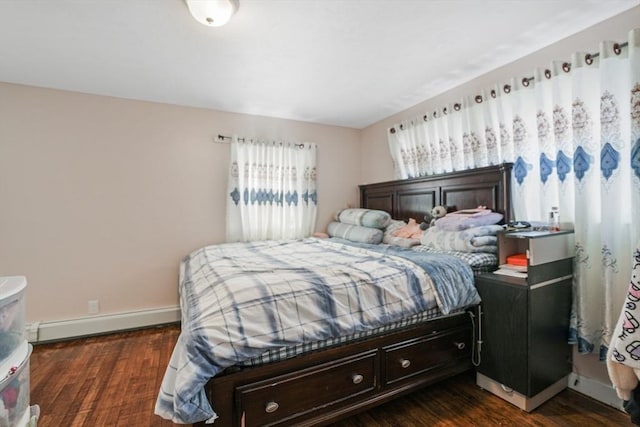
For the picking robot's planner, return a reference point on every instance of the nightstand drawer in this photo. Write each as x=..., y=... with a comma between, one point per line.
x=417, y=356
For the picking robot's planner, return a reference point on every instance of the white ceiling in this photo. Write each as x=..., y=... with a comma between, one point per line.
x=339, y=62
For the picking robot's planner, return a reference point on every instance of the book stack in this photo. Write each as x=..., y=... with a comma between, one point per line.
x=516, y=266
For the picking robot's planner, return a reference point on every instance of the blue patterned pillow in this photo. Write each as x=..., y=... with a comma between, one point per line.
x=364, y=217
x=355, y=233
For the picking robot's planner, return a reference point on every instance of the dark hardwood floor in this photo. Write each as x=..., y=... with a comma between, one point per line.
x=113, y=380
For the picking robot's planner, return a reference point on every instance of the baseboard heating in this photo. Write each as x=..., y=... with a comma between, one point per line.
x=604, y=393
x=47, y=331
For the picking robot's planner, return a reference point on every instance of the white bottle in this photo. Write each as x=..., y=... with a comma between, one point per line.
x=554, y=219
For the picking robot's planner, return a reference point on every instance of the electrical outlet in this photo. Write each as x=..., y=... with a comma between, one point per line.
x=94, y=306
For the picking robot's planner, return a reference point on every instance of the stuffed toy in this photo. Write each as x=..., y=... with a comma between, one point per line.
x=431, y=217
x=426, y=223
x=436, y=213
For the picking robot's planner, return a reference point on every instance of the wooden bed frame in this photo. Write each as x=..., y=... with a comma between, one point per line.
x=412, y=198
x=326, y=385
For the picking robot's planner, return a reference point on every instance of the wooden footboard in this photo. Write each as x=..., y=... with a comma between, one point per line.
x=324, y=386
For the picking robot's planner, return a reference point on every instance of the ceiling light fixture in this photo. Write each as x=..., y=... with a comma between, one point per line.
x=212, y=13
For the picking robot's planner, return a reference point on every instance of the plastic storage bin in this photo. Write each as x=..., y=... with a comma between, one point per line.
x=14, y=388
x=12, y=310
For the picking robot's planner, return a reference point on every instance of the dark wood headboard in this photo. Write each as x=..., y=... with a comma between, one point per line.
x=413, y=198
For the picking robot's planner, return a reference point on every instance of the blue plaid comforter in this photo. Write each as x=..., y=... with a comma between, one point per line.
x=240, y=299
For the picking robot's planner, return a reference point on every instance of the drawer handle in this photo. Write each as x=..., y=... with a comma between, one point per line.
x=357, y=378
x=405, y=363
x=271, y=407
x=460, y=345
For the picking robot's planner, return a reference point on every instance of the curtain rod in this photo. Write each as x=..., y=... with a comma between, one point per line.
x=223, y=139
x=589, y=57
x=566, y=67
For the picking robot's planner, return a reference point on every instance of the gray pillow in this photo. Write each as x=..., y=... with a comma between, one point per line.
x=355, y=233
x=365, y=217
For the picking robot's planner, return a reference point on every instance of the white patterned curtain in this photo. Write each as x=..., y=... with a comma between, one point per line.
x=271, y=191
x=573, y=134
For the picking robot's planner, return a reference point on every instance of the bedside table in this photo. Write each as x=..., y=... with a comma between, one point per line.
x=525, y=355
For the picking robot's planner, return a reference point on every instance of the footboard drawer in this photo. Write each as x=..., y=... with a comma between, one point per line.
x=417, y=356
x=286, y=397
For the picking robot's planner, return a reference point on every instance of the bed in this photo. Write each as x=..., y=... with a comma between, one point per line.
x=319, y=371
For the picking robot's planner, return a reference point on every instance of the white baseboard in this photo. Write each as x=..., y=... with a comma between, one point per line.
x=39, y=332
x=596, y=390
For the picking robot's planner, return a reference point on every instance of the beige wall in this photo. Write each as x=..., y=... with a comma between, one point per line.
x=377, y=166
x=101, y=197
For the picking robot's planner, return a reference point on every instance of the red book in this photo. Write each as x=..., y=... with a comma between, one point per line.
x=517, y=259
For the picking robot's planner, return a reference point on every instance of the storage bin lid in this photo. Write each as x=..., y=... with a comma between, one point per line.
x=11, y=285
